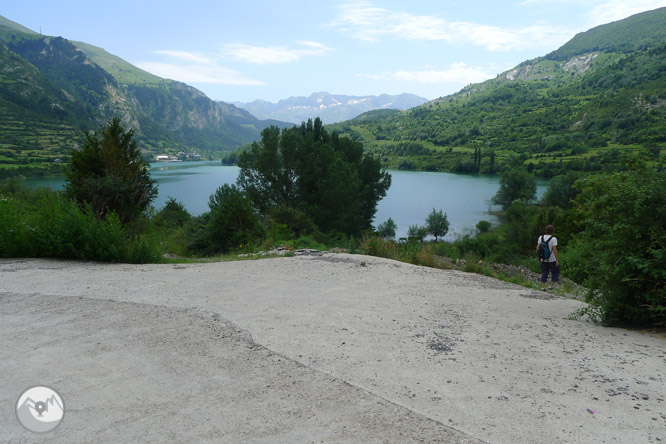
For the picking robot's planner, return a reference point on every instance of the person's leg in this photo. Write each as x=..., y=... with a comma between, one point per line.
x=544, y=274
x=555, y=274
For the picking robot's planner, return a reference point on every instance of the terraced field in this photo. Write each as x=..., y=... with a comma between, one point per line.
x=32, y=147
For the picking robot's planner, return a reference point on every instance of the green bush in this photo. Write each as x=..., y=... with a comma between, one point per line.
x=306, y=242
x=44, y=223
x=620, y=250
x=377, y=246
x=172, y=215
x=197, y=235
x=483, y=226
x=230, y=224
x=294, y=220
x=417, y=232
x=487, y=246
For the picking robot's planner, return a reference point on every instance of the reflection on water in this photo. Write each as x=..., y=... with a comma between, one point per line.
x=464, y=198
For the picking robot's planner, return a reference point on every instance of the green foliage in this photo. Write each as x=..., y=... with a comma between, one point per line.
x=109, y=174
x=558, y=113
x=380, y=247
x=417, y=232
x=483, y=226
x=305, y=242
x=295, y=221
x=561, y=191
x=44, y=223
x=515, y=184
x=325, y=176
x=485, y=246
x=637, y=32
x=387, y=229
x=51, y=89
x=437, y=224
x=231, y=224
x=172, y=215
x=620, y=248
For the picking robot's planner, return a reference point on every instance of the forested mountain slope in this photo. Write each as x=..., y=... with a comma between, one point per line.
x=577, y=108
x=52, y=90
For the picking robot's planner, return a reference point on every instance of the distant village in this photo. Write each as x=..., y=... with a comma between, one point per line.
x=181, y=156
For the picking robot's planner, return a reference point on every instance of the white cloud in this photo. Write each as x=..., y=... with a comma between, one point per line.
x=198, y=73
x=366, y=22
x=607, y=11
x=186, y=56
x=599, y=12
x=275, y=54
x=194, y=67
x=458, y=73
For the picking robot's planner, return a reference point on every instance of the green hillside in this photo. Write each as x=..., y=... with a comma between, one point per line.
x=52, y=90
x=8, y=27
x=552, y=113
x=121, y=70
x=632, y=34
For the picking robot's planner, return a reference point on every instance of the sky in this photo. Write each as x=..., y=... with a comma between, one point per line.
x=242, y=50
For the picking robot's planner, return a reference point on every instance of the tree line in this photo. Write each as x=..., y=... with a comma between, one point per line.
x=304, y=184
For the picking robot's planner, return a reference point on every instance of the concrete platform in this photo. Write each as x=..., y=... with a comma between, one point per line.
x=317, y=349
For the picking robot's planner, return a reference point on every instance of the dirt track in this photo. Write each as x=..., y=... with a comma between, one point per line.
x=317, y=349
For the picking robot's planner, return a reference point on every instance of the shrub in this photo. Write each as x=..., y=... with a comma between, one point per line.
x=483, y=226
x=376, y=246
x=296, y=221
x=44, y=223
x=417, y=232
x=172, y=215
x=620, y=250
x=230, y=224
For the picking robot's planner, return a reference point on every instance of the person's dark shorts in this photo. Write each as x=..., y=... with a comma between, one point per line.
x=550, y=267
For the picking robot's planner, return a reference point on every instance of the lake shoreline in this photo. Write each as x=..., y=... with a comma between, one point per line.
x=464, y=197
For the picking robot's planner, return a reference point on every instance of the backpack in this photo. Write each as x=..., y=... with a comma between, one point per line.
x=544, y=250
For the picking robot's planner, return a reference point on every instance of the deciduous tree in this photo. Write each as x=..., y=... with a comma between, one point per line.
x=437, y=224
x=515, y=184
x=327, y=177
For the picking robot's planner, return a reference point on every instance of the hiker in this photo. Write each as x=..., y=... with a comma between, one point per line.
x=550, y=263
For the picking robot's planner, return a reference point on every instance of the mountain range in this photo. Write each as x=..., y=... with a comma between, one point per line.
x=53, y=90
x=330, y=108
x=580, y=107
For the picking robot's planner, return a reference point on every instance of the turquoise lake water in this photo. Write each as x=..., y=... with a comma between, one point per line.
x=465, y=198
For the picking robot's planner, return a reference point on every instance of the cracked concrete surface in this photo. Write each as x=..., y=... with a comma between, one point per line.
x=317, y=349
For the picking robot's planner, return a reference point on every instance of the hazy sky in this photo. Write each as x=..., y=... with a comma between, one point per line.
x=242, y=50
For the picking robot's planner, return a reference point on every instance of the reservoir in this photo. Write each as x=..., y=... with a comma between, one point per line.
x=465, y=198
